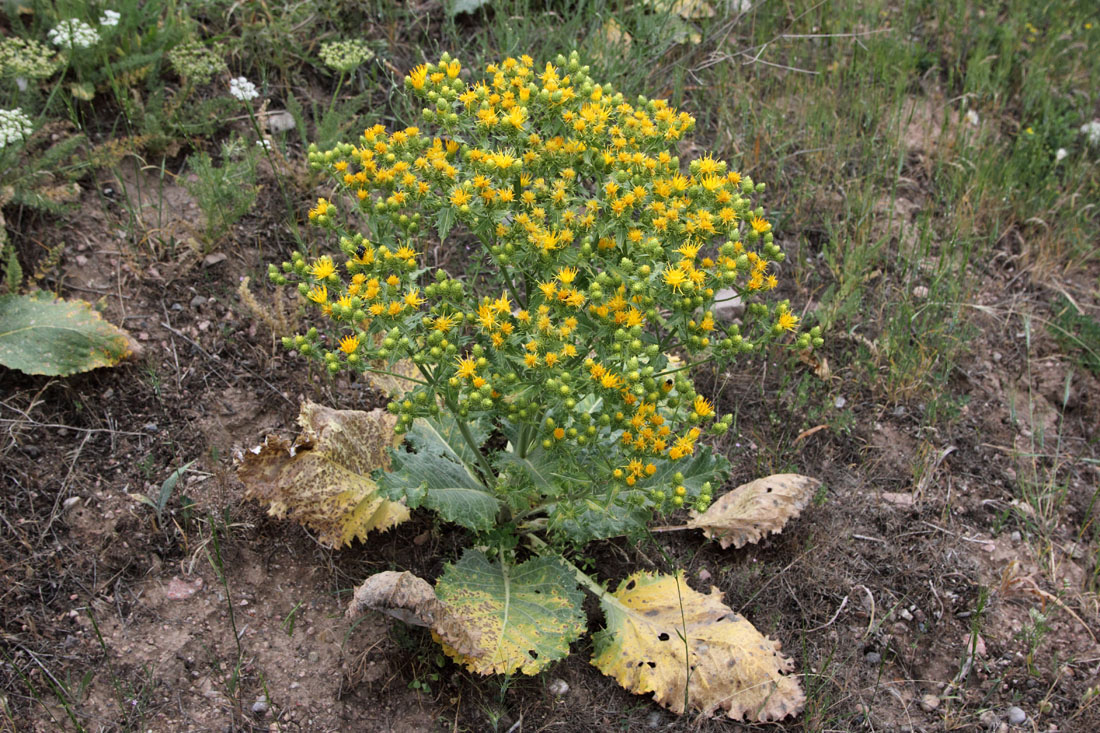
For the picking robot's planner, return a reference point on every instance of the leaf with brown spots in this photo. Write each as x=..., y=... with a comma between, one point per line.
x=692, y=651
x=43, y=335
x=323, y=480
x=749, y=512
x=411, y=599
x=524, y=616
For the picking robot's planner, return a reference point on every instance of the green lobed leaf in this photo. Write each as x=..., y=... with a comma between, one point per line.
x=441, y=436
x=437, y=477
x=41, y=335
x=524, y=616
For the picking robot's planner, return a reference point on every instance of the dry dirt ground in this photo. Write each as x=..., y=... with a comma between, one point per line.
x=916, y=592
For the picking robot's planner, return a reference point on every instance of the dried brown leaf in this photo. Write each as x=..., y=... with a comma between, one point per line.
x=753, y=510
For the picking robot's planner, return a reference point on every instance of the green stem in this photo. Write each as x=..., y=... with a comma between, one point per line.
x=482, y=461
x=544, y=550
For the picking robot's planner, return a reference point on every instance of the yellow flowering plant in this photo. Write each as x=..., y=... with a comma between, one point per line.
x=550, y=398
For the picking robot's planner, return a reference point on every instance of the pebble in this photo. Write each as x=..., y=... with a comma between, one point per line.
x=260, y=707
x=840, y=402
x=989, y=719
x=150, y=426
x=929, y=702
x=1016, y=716
x=1016, y=536
x=280, y=121
x=872, y=658
x=920, y=292
x=558, y=687
x=727, y=305
x=653, y=720
x=313, y=657
x=197, y=301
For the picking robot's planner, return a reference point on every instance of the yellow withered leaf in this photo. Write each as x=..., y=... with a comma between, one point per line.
x=323, y=480
x=412, y=600
x=743, y=516
x=397, y=380
x=663, y=637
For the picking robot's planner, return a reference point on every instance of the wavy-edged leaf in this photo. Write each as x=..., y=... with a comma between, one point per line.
x=43, y=335
x=663, y=637
x=412, y=600
x=524, y=616
x=442, y=436
x=323, y=480
x=436, y=477
x=749, y=512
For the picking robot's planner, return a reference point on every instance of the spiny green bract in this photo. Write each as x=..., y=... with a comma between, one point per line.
x=606, y=260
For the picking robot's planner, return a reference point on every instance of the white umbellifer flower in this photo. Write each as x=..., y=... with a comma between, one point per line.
x=243, y=89
x=1060, y=154
x=14, y=126
x=972, y=117
x=73, y=33
x=1091, y=130
x=265, y=144
x=110, y=17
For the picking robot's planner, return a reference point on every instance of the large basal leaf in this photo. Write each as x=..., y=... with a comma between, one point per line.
x=436, y=476
x=412, y=600
x=523, y=616
x=323, y=480
x=752, y=510
x=393, y=379
x=686, y=647
x=42, y=335
x=441, y=436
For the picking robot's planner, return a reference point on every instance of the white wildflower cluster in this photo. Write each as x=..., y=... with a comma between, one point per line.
x=14, y=127
x=73, y=33
x=345, y=56
x=110, y=18
x=26, y=59
x=1091, y=131
x=243, y=89
x=197, y=63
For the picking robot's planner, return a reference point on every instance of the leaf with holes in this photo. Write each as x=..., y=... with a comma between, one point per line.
x=688, y=647
x=323, y=480
x=524, y=616
x=43, y=335
x=749, y=512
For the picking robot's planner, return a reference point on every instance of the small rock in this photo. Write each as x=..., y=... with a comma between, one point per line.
x=727, y=305
x=81, y=260
x=280, y=121
x=920, y=292
x=313, y=657
x=177, y=307
x=840, y=402
x=32, y=450
x=872, y=658
x=653, y=720
x=151, y=427
x=197, y=301
x=703, y=575
x=181, y=590
x=1016, y=536
x=929, y=702
x=70, y=501
x=989, y=719
x=214, y=258
x=906, y=614
x=897, y=498
x=558, y=687
x=1016, y=716
x=260, y=707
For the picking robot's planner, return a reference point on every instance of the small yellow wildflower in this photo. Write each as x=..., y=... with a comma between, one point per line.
x=322, y=268
x=349, y=344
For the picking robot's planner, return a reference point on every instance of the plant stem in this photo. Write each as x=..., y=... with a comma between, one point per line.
x=482, y=461
x=544, y=550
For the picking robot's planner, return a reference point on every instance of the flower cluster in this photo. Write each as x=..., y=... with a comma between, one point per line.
x=110, y=18
x=73, y=33
x=196, y=62
x=26, y=59
x=346, y=56
x=605, y=255
x=1091, y=131
x=15, y=127
x=242, y=89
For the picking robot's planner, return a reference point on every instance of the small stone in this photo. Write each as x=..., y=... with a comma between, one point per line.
x=906, y=614
x=1016, y=716
x=989, y=719
x=70, y=502
x=703, y=575
x=929, y=702
x=177, y=307
x=150, y=427
x=81, y=260
x=558, y=687
x=920, y=292
x=181, y=590
x=32, y=450
x=872, y=658
x=1016, y=536
x=197, y=301
x=280, y=121
x=653, y=720
x=214, y=258
x=313, y=657
x=260, y=707
x=727, y=305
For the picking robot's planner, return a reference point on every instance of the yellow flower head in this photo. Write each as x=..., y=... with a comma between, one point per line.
x=349, y=344
x=466, y=367
x=319, y=294
x=759, y=225
x=322, y=268
x=567, y=274
x=787, y=321
x=675, y=277
x=702, y=407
